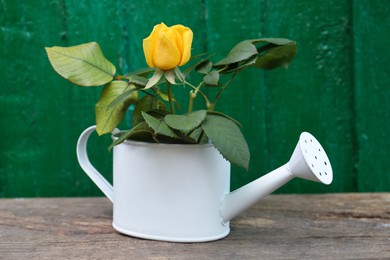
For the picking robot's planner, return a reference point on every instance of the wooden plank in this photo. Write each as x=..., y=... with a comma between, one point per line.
x=332, y=226
x=314, y=94
x=371, y=36
x=227, y=23
x=43, y=115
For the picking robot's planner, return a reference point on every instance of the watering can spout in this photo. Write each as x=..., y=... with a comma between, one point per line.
x=309, y=161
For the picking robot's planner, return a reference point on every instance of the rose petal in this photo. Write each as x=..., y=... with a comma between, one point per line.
x=187, y=36
x=166, y=54
x=149, y=43
x=186, y=42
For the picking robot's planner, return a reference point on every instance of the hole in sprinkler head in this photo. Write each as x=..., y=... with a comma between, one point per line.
x=320, y=174
x=319, y=149
x=315, y=157
x=325, y=163
x=312, y=165
x=305, y=141
x=326, y=173
x=311, y=140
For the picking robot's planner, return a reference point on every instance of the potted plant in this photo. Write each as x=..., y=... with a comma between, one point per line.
x=160, y=123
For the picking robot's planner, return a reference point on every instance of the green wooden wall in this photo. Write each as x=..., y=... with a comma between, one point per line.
x=336, y=88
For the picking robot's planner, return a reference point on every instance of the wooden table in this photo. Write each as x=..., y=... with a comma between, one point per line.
x=332, y=226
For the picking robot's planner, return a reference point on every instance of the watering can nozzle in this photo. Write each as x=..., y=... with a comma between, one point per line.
x=308, y=161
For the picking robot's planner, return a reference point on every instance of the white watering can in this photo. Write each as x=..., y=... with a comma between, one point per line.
x=181, y=193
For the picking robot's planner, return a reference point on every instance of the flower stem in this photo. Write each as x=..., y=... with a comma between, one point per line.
x=170, y=97
x=191, y=102
x=193, y=94
x=218, y=96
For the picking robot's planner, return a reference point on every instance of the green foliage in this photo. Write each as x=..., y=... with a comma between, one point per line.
x=153, y=117
x=158, y=126
x=110, y=112
x=228, y=139
x=211, y=78
x=241, y=52
x=155, y=78
x=83, y=65
x=276, y=57
x=204, y=66
x=146, y=104
x=141, y=132
x=273, y=53
x=186, y=123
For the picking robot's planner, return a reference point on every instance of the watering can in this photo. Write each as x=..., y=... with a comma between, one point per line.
x=181, y=193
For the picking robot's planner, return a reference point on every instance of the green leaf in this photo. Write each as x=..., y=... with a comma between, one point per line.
x=83, y=65
x=179, y=74
x=276, y=57
x=204, y=67
x=226, y=116
x=240, y=52
x=158, y=126
x=275, y=41
x=108, y=117
x=147, y=103
x=239, y=65
x=159, y=113
x=211, y=78
x=137, y=80
x=186, y=123
x=164, y=95
x=199, y=136
x=228, y=139
x=158, y=73
x=141, y=131
x=128, y=94
x=273, y=53
x=170, y=76
x=144, y=72
x=193, y=66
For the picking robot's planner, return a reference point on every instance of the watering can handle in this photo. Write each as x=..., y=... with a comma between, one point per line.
x=88, y=168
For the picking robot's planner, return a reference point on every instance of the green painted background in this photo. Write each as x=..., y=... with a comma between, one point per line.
x=336, y=88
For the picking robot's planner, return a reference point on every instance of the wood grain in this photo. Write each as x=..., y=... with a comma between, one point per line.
x=332, y=226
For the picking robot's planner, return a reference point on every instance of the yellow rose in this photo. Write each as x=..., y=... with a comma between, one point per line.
x=168, y=47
